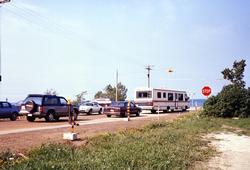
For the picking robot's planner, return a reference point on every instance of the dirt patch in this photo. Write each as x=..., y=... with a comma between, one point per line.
x=234, y=151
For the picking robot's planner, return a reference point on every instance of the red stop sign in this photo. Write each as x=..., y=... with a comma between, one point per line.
x=206, y=90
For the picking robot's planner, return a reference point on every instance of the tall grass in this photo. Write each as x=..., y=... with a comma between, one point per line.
x=161, y=145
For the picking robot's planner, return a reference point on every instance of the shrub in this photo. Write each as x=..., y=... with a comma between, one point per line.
x=232, y=101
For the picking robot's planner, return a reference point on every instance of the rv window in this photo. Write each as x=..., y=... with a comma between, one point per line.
x=180, y=97
x=144, y=94
x=186, y=97
x=170, y=96
x=164, y=95
x=158, y=94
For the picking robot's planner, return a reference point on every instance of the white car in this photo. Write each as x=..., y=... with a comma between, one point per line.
x=90, y=107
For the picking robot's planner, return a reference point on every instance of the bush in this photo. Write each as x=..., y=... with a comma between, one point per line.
x=232, y=101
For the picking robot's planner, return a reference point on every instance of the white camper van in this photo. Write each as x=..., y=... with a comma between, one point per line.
x=162, y=99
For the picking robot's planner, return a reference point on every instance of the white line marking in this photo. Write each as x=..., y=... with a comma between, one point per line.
x=81, y=123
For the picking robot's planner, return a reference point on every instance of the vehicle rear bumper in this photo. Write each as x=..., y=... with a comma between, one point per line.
x=112, y=113
x=23, y=113
x=36, y=114
x=146, y=107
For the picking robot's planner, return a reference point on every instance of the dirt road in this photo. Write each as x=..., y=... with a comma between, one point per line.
x=234, y=151
x=21, y=136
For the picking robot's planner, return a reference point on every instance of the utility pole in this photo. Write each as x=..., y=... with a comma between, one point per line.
x=1, y=3
x=116, y=89
x=149, y=68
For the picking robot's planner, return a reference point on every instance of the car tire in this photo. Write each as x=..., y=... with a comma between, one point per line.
x=30, y=106
x=137, y=114
x=100, y=111
x=50, y=116
x=153, y=111
x=57, y=118
x=30, y=118
x=122, y=114
x=89, y=112
x=13, y=116
x=108, y=115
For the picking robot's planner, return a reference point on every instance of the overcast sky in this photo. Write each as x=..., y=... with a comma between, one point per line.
x=73, y=46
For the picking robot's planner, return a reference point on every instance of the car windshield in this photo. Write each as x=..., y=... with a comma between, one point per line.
x=37, y=100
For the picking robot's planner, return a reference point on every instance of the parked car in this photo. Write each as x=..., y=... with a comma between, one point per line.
x=90, y=107
x=50, y=107
x=8, y=111
x=120, y=109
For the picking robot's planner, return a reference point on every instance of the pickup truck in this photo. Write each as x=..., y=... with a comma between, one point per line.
x=50, y=107
x=8, y=111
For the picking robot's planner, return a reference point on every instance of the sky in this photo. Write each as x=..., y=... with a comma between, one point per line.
x=75, y=46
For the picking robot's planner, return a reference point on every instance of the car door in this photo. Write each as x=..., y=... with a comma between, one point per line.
x=95, y=107
x=132, y=108
x=6, y=109
x=64, y=108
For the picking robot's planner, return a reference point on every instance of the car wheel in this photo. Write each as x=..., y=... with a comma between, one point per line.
x=90, y=112
x=100, y=111
x=13, y=117
x=57, y=118
x=50, y=117
x=108, y=115
x=122, y=114
x=138, y=114
x=153, y=111
x=30, y=118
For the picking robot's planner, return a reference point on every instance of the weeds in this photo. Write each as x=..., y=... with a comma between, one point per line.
x=161, y=145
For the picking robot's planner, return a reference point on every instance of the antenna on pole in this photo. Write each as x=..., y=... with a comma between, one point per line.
x=149, y=68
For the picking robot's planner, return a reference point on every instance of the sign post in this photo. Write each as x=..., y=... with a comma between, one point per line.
x=128, y=110
x=71, y=135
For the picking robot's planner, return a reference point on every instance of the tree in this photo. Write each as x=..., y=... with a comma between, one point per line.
x=235, y=75
x=80, y=97
x=110, y=92
x=100, y=94
x=51, y=92
x=234, y=99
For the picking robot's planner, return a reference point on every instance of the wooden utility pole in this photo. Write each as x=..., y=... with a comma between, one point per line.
x=149, y=68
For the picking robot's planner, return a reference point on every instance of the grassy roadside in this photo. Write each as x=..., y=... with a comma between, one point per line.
x=160, y=145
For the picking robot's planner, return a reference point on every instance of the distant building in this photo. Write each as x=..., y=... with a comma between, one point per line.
x=104, y=102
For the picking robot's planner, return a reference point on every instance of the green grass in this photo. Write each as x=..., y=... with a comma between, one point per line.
x=161, y=145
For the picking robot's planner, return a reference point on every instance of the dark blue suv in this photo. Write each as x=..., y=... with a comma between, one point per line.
x=8, y=111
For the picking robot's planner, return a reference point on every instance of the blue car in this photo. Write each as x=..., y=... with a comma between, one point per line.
x=8, y=111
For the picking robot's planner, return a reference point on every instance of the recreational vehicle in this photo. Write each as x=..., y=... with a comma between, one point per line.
x=161, y=99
